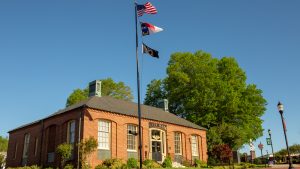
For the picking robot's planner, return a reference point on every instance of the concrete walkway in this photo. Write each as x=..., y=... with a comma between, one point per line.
x=284, y=166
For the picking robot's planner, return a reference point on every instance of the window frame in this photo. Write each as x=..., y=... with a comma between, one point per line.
x=179, y=142
x=135, y=141
x=25, y=153
x=69, y=132
x=196, y=150
x=108, y=133
x=16, y=150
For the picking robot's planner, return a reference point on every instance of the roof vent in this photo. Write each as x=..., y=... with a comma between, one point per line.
x=95, y=88
x=164, y=104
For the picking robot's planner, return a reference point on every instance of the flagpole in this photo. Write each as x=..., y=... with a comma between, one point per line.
x=138, y=87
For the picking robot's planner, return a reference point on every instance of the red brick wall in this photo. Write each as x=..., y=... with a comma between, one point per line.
x=119, y=135
x=90, y=128
x=35, y=131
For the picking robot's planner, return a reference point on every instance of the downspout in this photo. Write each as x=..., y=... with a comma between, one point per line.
x=201, y=148
x=42, y=139
x=79, y=137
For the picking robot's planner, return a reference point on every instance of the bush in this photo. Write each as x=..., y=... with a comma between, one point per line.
x=247, y=165
x=27, y=167
x=132, y=163
x=151, y=164
x=186, y=163
x=64, y=151
x=212, y=161
x=100, y=166
x=69, y=166
x=113, y=163
x=167, y=162
x=198, y=163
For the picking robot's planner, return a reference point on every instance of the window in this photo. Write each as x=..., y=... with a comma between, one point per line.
x=131, y=137
x=26, y=145
x=51, y=143
x=16, y=150
x=71, y=136
x=36, y=146
x=177, y=140
x=71, y=132
x=103, y=134
x=194, y=144
x=25, y=149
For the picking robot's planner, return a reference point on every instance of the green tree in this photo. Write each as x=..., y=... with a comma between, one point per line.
x=109, y=87
x=212, y=93
x=295, y=149
x=86, y=147
x=65, y=152
x=3, y=144
x=155, y=92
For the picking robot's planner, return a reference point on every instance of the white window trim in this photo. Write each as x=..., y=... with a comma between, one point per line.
x=109, y=135
x=197, y=146
x=135, y=137
x=180, y=143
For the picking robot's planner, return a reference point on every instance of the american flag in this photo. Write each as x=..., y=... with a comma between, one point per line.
x=146, y=8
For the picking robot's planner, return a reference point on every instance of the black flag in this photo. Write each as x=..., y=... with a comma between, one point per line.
x=152, y=52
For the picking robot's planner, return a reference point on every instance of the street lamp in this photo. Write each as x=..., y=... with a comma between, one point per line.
x=280, y=109
x=269, y=131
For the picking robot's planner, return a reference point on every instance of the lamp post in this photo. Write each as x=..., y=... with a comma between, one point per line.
x=280, y=109
x=269, y=131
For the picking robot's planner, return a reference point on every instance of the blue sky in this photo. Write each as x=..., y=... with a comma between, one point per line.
x=49, y=48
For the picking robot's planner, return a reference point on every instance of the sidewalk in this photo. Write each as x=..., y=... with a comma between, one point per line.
x=284, y=166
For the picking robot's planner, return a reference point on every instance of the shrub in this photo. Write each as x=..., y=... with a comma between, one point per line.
x=113, y=163
x=247, y=165
x=35, y=167
x=132, y=163
x=167, y=162
x=100, y=166
x=86, y=147
x=69, y=166
x=198, y=163
x=186, y=163
x=151, y=164
x=27, y=167
x=65, y=151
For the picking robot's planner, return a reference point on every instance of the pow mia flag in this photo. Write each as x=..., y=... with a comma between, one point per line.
x=150, y=51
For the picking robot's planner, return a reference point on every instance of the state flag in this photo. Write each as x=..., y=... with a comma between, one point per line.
x=150, y=51
x=148, y=28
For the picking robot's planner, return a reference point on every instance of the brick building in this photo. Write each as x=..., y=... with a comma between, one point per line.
x=113, y=123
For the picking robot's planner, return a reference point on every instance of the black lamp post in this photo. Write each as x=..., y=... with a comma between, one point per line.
x=280, y=109
x=269, y=131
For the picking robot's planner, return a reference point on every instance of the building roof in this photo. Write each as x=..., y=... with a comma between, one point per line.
x=110, y=104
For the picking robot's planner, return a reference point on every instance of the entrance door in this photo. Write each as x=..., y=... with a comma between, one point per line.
x=156, y=151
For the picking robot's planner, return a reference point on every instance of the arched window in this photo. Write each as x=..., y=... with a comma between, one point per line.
x=104, y=134
x=177, y=143
x=71, y=132
x=194, y=144
x=25, y=149
x=71, y=136
x=131, y=137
